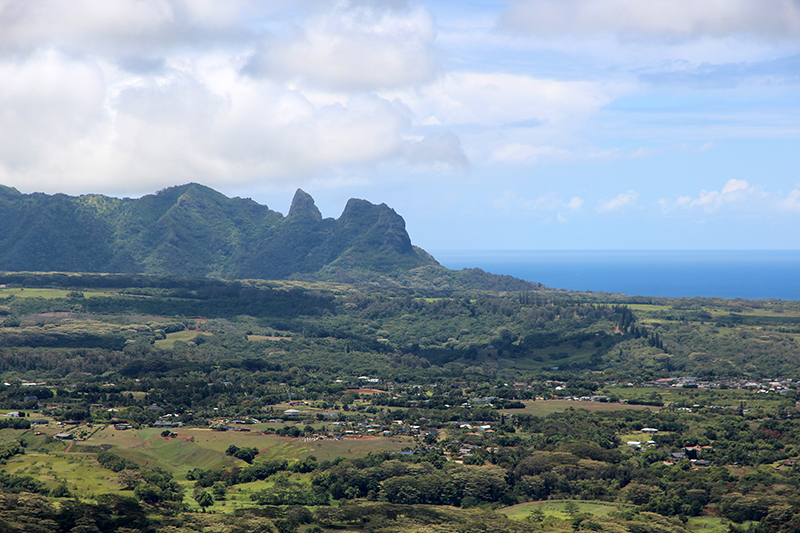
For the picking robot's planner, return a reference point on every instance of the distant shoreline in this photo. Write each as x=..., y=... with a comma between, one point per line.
x=748, y=274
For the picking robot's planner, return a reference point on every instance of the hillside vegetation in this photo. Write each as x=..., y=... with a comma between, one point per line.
x=152, y=403
x=192, y=230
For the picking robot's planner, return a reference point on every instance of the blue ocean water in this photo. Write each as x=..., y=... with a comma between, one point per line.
x=750, y=274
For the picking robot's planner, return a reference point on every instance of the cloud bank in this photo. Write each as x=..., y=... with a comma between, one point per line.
x=132, y=95
x=663, y=19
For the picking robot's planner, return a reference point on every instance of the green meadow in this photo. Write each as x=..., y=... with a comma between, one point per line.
x=51, y=293
x=559, y=508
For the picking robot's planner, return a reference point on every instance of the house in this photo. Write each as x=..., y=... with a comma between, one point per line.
x=64, y=436
x=166, y=424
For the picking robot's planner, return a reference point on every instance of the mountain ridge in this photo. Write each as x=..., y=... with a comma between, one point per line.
x=193, y=230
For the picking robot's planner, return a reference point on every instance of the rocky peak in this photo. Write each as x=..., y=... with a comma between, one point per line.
x=303, y=204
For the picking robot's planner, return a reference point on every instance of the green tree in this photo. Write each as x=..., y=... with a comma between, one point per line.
x=203, y=498
x=220, y=490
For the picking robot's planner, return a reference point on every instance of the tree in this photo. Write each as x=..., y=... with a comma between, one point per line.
x=129, y=479
x=536, y=516
x=149, y=494
x=220, y=490
x=571, y=508
x=203, y=498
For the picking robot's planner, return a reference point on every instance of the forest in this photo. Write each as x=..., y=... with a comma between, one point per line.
x=151, y=403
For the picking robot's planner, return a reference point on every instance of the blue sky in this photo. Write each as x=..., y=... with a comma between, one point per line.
x=524, y=124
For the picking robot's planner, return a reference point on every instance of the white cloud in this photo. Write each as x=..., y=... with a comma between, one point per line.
x=575, y=203
x=437, y=150
x=736, y=195
x=791, y=202
x=120, y=27
x=512, y=118
x=733, y=191
x=199, y=122
x=353, y=48
x=48, y=104
x=133, y=95
x=511, y=100
x=662, y=19
x=618, y=202
x=545, y=203
x=734, y=185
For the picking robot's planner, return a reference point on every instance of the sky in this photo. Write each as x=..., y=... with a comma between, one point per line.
x=488, y=125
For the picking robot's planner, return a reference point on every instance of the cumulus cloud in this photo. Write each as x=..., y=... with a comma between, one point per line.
x=359, y=47
x=791, y=202
x=618, y=202
x=192, y=124
x=575, y=203
x=442, y=149
x=132, y=95
x=48, y=102
x=122, y=27
x=736, y=195
x=734, y=191
x=665, y=19
x=502, y=99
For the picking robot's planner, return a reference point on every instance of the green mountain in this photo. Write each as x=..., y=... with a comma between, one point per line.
x=192, y=230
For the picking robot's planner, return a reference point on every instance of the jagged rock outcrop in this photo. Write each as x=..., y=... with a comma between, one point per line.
x=192, y=230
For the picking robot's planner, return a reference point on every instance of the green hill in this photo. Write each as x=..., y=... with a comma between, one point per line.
x=192, y=230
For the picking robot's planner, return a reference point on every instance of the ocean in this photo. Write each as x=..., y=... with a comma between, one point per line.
x=749, y=274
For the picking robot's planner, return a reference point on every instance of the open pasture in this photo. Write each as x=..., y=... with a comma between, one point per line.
x=205, y=448
x=184, y=336
x=548, y=407
x=327, y=449
x=82, y=473
x=552, y=356
x=711, y=524
x=49, y=293
x=558, y=508
x=701, y=397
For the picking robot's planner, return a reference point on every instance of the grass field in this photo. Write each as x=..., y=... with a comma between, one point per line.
x=719, y=397
x=557, y=508
x=552, y=356
x=185, y=336
x=205, y=448
x=547, y=407
x=48, y=293
x=83, y=474
x=711, y=524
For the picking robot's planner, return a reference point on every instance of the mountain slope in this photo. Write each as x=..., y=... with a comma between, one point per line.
x=192, y=230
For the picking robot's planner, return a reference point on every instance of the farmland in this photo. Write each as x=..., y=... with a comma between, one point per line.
x=331, y=407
